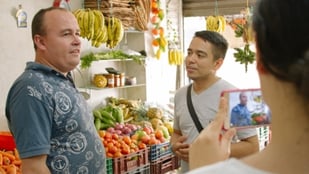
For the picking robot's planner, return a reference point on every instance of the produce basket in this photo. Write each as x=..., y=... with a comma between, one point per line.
x=164, y=164
x=109, y=166
x=159, y=150
x=7, y=141
x=141, y=170
x=131, y=162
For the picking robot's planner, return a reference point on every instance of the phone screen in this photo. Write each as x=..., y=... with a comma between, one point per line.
x=246, y=108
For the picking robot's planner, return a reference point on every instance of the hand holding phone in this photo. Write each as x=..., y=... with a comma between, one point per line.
x=246, y=108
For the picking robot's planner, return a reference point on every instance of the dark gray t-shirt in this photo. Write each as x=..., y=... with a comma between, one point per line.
x=47, y=115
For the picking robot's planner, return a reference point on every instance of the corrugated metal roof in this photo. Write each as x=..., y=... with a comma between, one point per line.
x=208, y=7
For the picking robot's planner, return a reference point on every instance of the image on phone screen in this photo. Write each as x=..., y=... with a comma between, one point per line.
x=246, y=108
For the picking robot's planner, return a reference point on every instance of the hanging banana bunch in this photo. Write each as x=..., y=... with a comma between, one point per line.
x=91, y=24
x=175, y=57
x=115, y=31
x=215, y=23
x=95, y=28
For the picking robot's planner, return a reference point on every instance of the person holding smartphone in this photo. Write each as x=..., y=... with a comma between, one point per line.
x=205, y=56
x=282, y=63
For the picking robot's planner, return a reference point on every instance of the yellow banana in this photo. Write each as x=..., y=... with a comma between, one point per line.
x=223, y=21
x=181, y=57
x=85, y=17
x=178, y=57
x=98, y=28
x=79, y=16
x=158, y=54
x=169, y=57
x=91, y=20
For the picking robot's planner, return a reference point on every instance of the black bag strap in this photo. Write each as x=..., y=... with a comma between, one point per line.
x=194, y=117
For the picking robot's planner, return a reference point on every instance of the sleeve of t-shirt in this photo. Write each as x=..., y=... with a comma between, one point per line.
x=246, y=133
x=30, y=122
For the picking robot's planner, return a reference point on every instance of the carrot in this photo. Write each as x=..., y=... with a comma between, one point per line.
x=9, y=155
x=6, y=160
x=12, y=169
x=17, y=162
x=16, y=154
x=2, y=171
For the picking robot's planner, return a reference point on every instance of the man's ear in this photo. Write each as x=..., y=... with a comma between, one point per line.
x=39, y=41
x=218, y=63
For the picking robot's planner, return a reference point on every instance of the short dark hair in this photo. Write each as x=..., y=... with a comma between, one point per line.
x=37, y=26
x=282, y=38
x=218, y=42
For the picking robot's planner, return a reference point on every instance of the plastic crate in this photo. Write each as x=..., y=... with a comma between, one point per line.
x=109, y=166
x=130, y=162
x=141, y=170
x=164, y=164
x=159, y=150
x=7, y=141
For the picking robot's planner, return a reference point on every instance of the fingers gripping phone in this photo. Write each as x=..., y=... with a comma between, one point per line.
x=246, y=108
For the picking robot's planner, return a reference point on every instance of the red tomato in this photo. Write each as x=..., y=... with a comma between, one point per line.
x=127, y=140
x=115, y=136
x=142, y=145
x=145, y=139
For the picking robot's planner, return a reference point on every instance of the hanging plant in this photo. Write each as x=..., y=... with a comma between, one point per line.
x=244, y=56
x=244, y=29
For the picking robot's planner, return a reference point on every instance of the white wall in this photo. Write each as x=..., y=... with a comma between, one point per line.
x=16, y=46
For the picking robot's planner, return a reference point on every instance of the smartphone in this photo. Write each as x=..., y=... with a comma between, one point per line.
x=246, y=108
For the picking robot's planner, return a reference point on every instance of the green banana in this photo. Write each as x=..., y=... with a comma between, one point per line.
x=97, y=114
x=118, y=114
x=107, y=115
x=108, y=122
x=97, y=123
x=105, y=126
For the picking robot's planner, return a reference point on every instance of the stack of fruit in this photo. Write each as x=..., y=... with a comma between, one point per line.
x=175, y=57
x=107, y=116
x=159, y=41
x=215, y=23
x=95, y=28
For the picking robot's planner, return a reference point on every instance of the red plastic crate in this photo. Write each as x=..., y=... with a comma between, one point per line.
x=141, y=170
x=164, y=164
x=130, y=162
x=7, y=141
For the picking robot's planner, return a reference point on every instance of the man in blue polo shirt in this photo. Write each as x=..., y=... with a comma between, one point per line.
x=240, y=115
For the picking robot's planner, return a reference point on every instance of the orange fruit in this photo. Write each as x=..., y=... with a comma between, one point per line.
x=158, y=134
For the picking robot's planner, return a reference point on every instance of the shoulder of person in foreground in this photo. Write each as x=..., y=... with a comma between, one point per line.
x=230, y=166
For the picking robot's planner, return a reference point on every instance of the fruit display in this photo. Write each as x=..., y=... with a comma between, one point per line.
x=175, y=57
x=215, y=23
x=10, y=162
x=244, y=29
x=159, y=41
x=98, y=29
x=125, y=117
